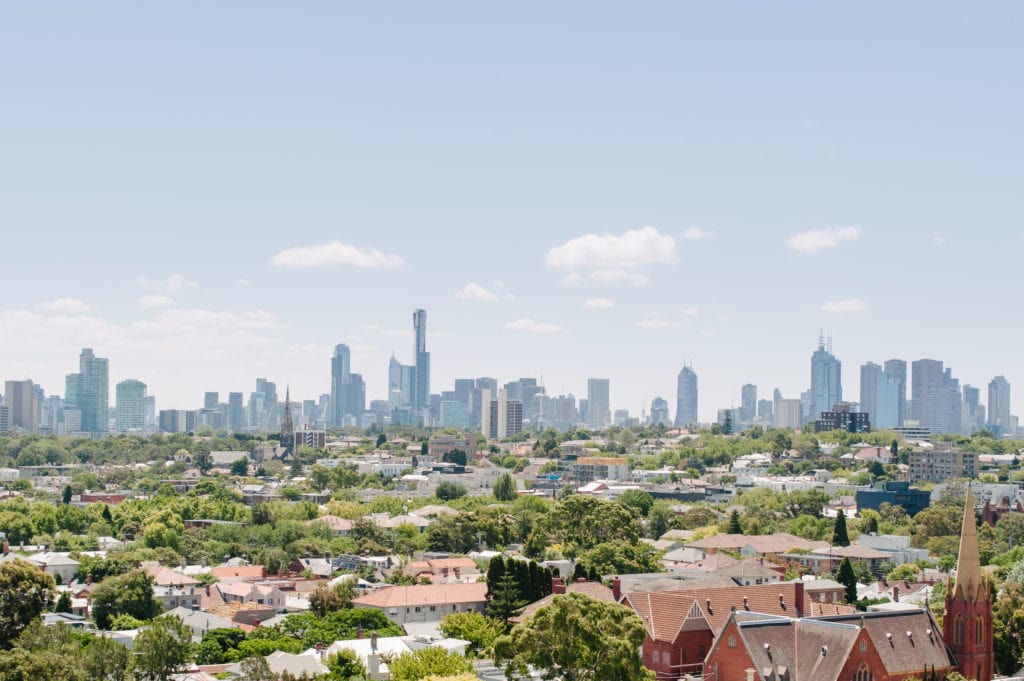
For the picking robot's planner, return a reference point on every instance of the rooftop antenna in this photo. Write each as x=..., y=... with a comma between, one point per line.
x=821, y=339
x=830, y=341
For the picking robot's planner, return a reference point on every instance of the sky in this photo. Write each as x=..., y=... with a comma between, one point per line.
x=208, y=193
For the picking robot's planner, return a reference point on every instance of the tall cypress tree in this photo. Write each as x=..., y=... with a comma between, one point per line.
x=848, y=579
x=734, y=523
x=840, y=537
x=495, y=571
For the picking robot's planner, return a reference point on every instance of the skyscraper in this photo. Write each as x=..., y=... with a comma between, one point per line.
x=341, y=367
x=421, y=382
x=236, y=412
x=659, y=412
x=826, y=379
x=748, y=403
x=879, y=396
x=130, y=406
x=88, y=392
x=686, y=398
x=22, y=405
x=598, y=402
x=896, y=369
x=211, y=399
x=926, y=376
x=999, y=404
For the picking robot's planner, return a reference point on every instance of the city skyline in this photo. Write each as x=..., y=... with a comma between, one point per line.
x=633, y=189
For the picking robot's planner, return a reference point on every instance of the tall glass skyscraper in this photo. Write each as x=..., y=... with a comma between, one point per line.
x=130, y=406
x=826, y=379
x=421, y=381
x=341, y=369
x=686, y=398
x=88, y=391
x=598, y=402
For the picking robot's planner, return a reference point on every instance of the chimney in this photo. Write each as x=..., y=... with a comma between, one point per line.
x=895, y=594
x=359, y=632
x=746, y=603
x=6, y=547
x=782, y=601
x=557, y=586
x=320, y=650
x=256, y=623
x=373, y=641
x=750, y=674
x=798, y=597
x=617, y=589
x=708, y=603
x=373, y=666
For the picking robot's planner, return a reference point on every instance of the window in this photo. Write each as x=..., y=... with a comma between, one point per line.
x=958, y=629
x=863, y=673
x=979, y=632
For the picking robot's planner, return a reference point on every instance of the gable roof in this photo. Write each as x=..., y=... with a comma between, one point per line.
x=772, y=645
x=595, y=590
x=902, y=653
x=424, y=594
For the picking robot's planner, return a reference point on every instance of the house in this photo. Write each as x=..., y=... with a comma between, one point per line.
x=595, y=590
x=163, y=576
x=236, y=573
x=828, y=558
x=60, y=565
x=318, y=567
x=756, y=545
x=178, y=597
x=444, y=569
x=260, y=594
x=876, y=646
x=201, y=622
x=223, y=460
x=375, y=651
x=339, y=527
x=425, y=602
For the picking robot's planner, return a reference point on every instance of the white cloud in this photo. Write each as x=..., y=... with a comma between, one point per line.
x=619, y=275
x=690, y=311
x=822, y=239
x=243, y=282
x=177, y=282
x=598, y=303
x=613, y=257
x=335, y=253
x=845, y=305
x=939, y=240
x=155, y=300
x=66, y=306
x=656, y=322
x=572, y=279
x=476, y=293
x=531, y=326
x=697, y=233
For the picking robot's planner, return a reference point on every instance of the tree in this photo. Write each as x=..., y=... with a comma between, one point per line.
x=105, y=660
x=25, y=591
x=734, y=523
x=382, y=440
x=430, y=661
x=161, y=649
x=240, y=467
x=504, y=488
x=63, y=603
x=577, y=638
x=255, y=668
x=66, y=494
x=128, y=594
x=203, y=460
x=847, y=578
x=505, y=601
x=323, y=601
x=481, y=631
x=840, y=537
x=638, y=499
x=319, y=477
x=345, y=665
x=581, y=522
x=446, y=491
x=619, y=557
x=455, y=456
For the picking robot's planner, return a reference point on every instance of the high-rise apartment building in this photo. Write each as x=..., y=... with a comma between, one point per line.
x=151, y=419
x=88, y=391
x=660, y=415
x=130, y=406
x=22, y=405
x=826, y=380
x=345, y=397
x=421, y=381
x=926, y=377
x=748, y=403
x=211, y=399
x=765, y=411
x=598, y=402
x=896, y=369
x=686, y=398
x=879, y=396
x=236, y=412
x=999, y=404
x=505, y=417
x=972, y=403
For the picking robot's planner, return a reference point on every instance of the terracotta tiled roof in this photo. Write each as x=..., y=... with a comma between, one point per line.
x=243, y=572
x=780, y=542
x=424, y=594
x=595, y=590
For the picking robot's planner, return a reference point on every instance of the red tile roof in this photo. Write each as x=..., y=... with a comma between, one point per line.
x=424, y=594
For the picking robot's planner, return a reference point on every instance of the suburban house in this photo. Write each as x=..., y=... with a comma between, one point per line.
x=425, y=602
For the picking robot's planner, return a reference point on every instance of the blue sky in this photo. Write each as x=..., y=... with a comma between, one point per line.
x=800, y=167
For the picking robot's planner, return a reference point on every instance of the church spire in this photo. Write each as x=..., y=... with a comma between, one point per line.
x=287, y=425
x=968, y=564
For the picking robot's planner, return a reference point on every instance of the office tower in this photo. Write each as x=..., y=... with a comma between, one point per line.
x=686, y=398
x=925, y=375
x=748, y=403
x=896, y=369
x=879, y=396
x=130, y=406
x=22, y=405
x=765, y=410
x=598, y=402
x=211, y=399
x=788, y=413
x=421, y=380
x=463, y=387
x=88, y=391
x=826, y=380
x=454, y=414
x=257, y=417
x=341, y=370
x=268, y=390
x=502, y=413
x=236, y=412
x=485, y=416
x=5, y=418
x=151, y=422
x=355, y=395
x=999, y=405
x=870, y=374
x=659, y=412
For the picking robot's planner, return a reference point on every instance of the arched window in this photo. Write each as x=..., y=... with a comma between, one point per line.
x=863, y=673
x=958, y=629
x=979, y=631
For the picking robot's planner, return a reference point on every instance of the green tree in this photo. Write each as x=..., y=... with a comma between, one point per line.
x=63, y=603
x=161, y=649
x=382, y=440
x=203, y=460
x=504, y=488
x=847, y=578
x=577, y=638
x=323, y=600
x=425, y=662
x=481, y=631
x=619, y=557
x=319, y=477
x=581, y=522
x=455, y=456
x=25, y=591
x=105, y=660
x=446, y=491
x=240, y=467
x=345, y=665
x=659, y=519
x=255, y=668
x=840, y=536
x=638, y=499
x=127, y=594
x=1008, y=628
x=734, y=523
x=67, y=494
x=505, y=600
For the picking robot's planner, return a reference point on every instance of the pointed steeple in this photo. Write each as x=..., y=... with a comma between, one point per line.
x=968, y=564
x=287, y=425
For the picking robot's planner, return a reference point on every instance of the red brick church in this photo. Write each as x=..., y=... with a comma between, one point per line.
x=789, y=639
